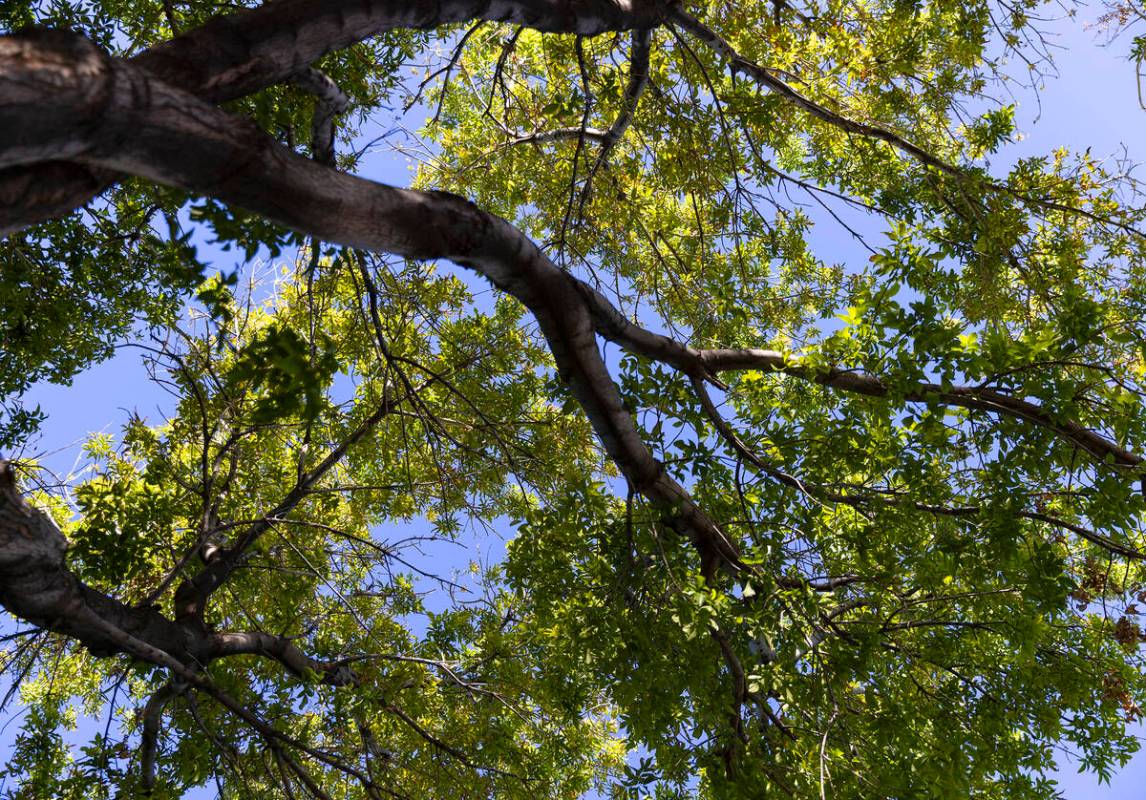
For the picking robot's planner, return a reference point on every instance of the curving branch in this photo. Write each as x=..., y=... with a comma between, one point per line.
x=60, y=97
x=149, y=735
x=329, y=102
x=861, y=500
x=110, y=114
x=37, y=586
x=237, y=54
x=284, y=651
x=613, y=325
x=86, y=104
x=762, y=76
x=704, y=365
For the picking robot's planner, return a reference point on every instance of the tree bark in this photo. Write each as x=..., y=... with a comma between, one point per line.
x=37, y=586
x=238, y=54
x=61, y=96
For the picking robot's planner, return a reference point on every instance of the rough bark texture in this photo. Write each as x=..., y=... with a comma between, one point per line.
x=37, y=586
x=61, y=96
x=240, y=53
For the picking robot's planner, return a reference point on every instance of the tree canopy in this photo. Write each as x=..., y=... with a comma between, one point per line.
x=779, y=522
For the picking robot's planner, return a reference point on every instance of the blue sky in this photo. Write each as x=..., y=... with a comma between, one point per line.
x=1092, y=103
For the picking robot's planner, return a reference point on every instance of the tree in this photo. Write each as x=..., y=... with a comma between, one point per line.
x=784, y=527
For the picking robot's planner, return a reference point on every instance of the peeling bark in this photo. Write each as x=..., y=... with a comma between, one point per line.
x=329, y=102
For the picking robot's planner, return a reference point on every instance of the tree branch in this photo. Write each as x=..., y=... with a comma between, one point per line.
x=765, y=77
x=235, y=55
x=329, y=102
x=638, y=80
x=612, y=325
x=762, y=76
x=283, y=650
x=559, y=135
x=970, y=397
x=110, y=114
x=149, y=736
x=37, y=586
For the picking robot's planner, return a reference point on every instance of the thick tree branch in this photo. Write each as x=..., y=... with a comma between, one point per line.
x=37, y=586
x=283, y=650
x=111, y=114
x=149, y=734
x=234, y=55
x=232, y=160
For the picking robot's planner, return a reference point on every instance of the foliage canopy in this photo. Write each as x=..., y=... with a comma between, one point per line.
x=779, y=523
